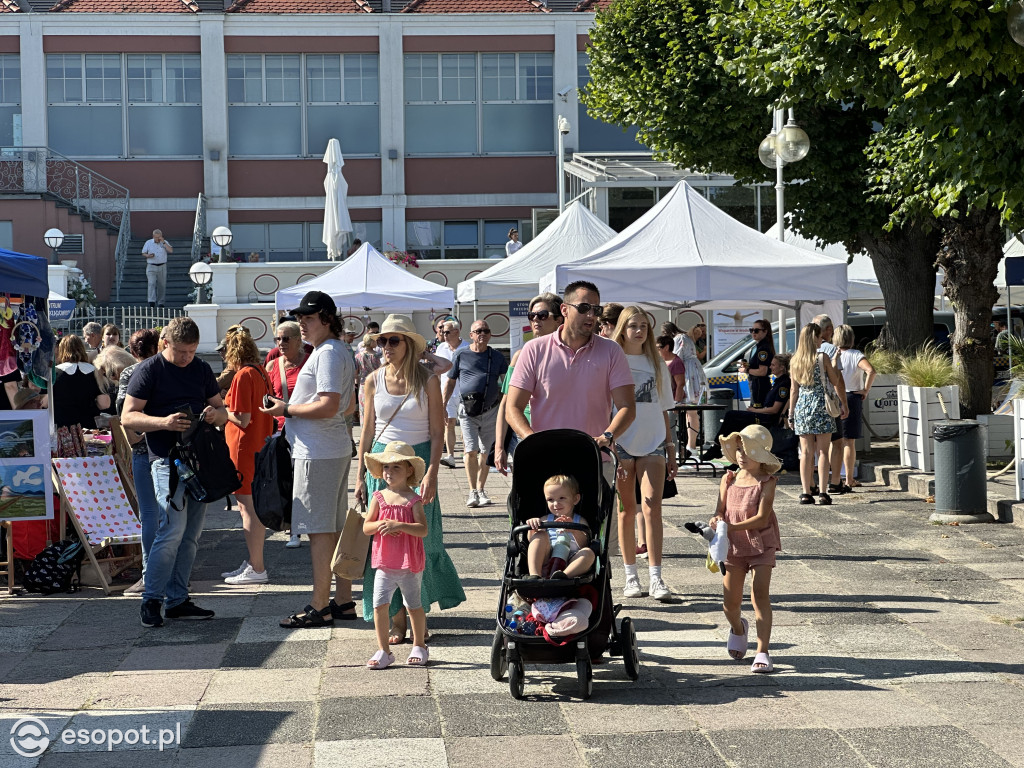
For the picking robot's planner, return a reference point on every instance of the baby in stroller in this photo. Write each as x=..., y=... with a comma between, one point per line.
x=555, y=552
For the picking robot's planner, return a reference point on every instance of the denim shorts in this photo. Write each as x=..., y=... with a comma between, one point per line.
x=623, y=456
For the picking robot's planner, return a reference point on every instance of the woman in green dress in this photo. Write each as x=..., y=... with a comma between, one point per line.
x=402, y=401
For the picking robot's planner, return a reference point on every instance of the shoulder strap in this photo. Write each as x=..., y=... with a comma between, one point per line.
x=284, y=377
x=391, y=418
x=263, y=375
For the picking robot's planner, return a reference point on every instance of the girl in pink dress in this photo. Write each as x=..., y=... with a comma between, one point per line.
x=398, y=524
x=746, y=503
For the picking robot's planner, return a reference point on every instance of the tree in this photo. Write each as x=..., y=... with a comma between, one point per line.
x=677, y=70
x=922, y=102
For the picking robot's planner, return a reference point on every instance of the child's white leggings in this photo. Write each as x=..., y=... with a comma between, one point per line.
x=387, y=581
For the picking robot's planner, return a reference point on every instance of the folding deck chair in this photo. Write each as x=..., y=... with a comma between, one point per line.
x=96, y=502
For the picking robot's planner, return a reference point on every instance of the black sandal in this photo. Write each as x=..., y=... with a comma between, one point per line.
x=824, y=498
x=343, y=612
x=806, y=498
x=310, y=618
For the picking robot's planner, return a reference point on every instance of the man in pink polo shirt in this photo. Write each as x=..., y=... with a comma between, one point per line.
x=571, y=378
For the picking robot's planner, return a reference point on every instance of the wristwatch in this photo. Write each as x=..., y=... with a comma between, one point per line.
x=286, y=414
x=609, y=436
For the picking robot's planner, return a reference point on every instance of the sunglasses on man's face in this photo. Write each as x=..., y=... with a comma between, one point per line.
x=541, y=315
x=390, y=341
x=482, y=331
x=585, y=308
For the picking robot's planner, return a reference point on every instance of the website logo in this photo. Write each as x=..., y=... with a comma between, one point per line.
x=30, y=737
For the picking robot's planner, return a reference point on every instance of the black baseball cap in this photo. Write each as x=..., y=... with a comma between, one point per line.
x=314, y=303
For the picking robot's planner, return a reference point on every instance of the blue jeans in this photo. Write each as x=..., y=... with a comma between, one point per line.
x=173, y=550
x=149, y=511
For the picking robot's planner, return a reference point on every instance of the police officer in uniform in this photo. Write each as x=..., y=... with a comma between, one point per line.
x=758, y=368
x=770, y=415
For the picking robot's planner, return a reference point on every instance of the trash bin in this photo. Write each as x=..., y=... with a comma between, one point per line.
x=713, y=419
x=961, y=482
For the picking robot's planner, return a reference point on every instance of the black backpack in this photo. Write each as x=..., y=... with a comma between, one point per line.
x=58, y=568
x=272, y=483
x=204, y=450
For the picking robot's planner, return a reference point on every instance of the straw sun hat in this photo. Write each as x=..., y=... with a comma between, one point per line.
x=402, y=324
x=394, y=452
x=757, y=444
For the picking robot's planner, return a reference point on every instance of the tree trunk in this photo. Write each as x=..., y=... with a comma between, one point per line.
x=904, y=262
x=971, y=250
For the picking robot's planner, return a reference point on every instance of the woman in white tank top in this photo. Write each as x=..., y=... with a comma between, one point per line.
x=403, y=402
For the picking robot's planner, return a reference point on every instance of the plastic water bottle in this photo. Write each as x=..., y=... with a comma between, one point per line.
x=560, y=551
x=191, y=482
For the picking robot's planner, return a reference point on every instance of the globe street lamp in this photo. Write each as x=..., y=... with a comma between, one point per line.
x=54, y=238
x=786, y=143
x=200, y=274
x=222, y=238
x=1015, y=21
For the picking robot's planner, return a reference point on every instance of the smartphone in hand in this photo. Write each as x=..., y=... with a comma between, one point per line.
x=267, y=402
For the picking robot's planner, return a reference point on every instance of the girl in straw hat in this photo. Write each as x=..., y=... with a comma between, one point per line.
x=402, y=401
x=398, y=525
x=746, y=502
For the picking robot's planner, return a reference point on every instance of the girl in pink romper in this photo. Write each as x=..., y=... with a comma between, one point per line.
x=746, y=503
x=398, y=524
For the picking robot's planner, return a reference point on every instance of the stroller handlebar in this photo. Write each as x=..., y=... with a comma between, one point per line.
x=546, y=524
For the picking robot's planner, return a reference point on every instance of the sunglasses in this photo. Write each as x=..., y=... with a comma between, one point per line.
x=445, y=333
x=584, y=308
x=390, y=341
x=282, y=338
x=542, y=315
x=481, y=330
x=756, y=330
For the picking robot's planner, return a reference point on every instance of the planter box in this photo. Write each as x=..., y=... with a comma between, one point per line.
x=881, y=408
x=999, y=438
x=1018, y=444
x=919, y=409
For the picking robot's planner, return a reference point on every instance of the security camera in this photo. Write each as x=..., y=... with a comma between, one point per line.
x=564, y=93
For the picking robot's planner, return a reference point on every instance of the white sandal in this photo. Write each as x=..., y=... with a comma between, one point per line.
x=381, y=660
x=762, y=664
x=738, y=643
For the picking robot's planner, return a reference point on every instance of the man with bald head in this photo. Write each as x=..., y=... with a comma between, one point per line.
x=155, y=250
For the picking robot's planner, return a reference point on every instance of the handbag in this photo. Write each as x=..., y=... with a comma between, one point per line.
x=832, y=404
x=669, y=490
x=349, y=559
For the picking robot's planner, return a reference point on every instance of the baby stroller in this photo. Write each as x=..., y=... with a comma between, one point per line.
x=538, y=457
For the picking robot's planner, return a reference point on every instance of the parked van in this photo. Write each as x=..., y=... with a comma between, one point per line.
x=723, y=369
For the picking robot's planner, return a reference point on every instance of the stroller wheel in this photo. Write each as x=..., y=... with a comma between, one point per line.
x=585, y=677
x=499, y=661
x=630, y=653
x=516, y=681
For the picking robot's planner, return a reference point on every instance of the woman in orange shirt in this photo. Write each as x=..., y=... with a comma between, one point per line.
x=246, y=431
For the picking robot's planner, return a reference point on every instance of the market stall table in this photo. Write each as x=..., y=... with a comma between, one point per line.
x=696, y=461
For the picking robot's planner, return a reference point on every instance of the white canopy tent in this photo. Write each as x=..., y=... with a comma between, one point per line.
x=574, y=234
x=368, y=280
x=686, y=252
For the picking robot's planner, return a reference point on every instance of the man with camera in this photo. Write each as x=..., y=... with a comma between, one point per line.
x=478, y=370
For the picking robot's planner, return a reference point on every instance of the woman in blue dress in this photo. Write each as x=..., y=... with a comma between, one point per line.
x=811, y=421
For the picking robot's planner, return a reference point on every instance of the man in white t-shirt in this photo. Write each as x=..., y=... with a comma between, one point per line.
x=155, y=250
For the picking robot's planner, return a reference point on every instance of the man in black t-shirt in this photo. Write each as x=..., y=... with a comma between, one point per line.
x=164, y=394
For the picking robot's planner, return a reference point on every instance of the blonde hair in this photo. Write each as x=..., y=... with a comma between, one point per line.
x=239, y=348
x=112, y=360
x=71, y=349
x=650, y=349
x=416, y=376
x=567, y=480
x=843, y=337
x=289, y=328
x=801, y=368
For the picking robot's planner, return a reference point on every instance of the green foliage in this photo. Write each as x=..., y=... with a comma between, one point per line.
x=929, y=367
x=884, y=361
x=81, y=291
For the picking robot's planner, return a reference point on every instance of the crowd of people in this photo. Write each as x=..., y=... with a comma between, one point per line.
x=602, y=369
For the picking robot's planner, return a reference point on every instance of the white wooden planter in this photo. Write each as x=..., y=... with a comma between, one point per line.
x=881, y=408
x=999, y=437
x=1018, y=444
x=919, y=409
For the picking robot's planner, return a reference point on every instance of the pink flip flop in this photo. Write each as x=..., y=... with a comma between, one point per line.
x=738, y=643
x=381, y=660
x=418, y=656
x=762, y=664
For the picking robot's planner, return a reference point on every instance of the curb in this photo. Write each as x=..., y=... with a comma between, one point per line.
x=900, y=478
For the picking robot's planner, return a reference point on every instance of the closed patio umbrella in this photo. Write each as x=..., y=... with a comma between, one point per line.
x=337, y=222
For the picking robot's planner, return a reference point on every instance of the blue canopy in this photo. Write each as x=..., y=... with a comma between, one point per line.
x=21, y=273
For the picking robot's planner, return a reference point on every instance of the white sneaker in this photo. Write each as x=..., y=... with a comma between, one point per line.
x=484, y=499
x=248, y=576
x=474, y=498
x=448, y=461
x=238, y=571
x=633, y=588
x=660, y=592
x=295, y=541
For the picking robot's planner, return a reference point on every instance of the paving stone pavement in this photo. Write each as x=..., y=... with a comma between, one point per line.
x=896, y=643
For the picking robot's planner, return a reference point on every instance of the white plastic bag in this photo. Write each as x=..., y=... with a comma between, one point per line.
x=719, y=546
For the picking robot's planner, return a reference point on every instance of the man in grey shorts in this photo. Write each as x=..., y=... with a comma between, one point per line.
x=322, y=453
x=478, y=370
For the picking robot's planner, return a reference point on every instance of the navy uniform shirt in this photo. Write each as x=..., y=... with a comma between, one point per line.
x=760, y=385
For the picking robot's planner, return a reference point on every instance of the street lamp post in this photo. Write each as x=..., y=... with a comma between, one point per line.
x=1015, y=21
x=222, y=238
x=563, y=129
x=201, y=274
x=786, y=143
x=54, y=238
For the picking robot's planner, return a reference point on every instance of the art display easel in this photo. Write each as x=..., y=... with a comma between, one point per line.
x=7, y=564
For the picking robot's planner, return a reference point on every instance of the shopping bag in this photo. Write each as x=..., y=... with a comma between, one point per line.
x=350, y=554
